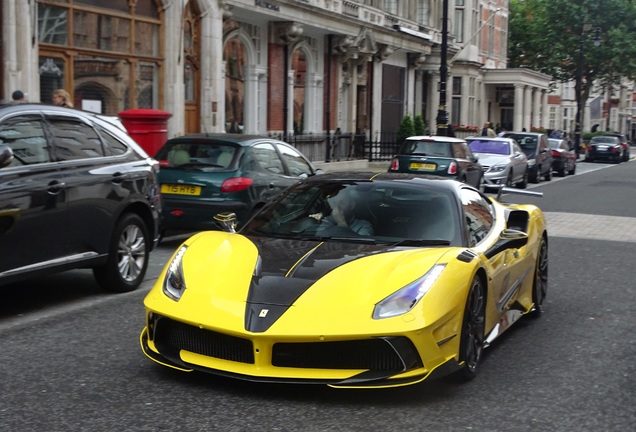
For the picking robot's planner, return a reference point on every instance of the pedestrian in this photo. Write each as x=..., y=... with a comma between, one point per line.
x=62, y=98
x=17, y=96
x=487, y=130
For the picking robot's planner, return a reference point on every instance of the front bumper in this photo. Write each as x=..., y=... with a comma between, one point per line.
x=366, y=362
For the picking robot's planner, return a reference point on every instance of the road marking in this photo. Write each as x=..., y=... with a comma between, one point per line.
x=575, y=225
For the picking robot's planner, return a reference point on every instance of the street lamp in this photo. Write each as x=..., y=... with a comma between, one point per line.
x=578, y=86
x=442, y=114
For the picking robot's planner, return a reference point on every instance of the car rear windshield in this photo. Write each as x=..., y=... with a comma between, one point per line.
x=490, y=146
x=427, y=148
x=203, y=155
x=605, y=139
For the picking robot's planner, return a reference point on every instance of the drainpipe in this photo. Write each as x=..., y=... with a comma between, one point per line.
x=328, y=104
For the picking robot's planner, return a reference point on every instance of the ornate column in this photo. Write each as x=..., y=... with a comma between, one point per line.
x=519, y=104
x=433, y=101
x=536, y=109
x=545, y=114
x=527, y=106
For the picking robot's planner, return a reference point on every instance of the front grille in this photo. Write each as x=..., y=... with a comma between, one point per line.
x=172, y=336
x=370, y=354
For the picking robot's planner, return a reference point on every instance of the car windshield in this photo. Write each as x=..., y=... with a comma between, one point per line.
x=361, y=211
x=554, y=143
x=426, y=148
x=528, y=143
x=496, y=147
x=196, y=155
x=605, y=139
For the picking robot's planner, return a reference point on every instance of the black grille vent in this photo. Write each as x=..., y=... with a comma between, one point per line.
x=371, y=354
x=172, y=336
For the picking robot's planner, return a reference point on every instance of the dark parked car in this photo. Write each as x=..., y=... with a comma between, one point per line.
x=624, y=143
x=604, y=147
x=205, y=174
x=535, y=146
x=563, y=157
x=75, y=192
x=441, y=156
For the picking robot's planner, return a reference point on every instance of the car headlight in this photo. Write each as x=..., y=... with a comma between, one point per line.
x=497, y=168
x=174, y=282
x=531, y=162
x=402, y=301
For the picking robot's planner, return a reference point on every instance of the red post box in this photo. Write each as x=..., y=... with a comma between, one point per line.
x=148, y=127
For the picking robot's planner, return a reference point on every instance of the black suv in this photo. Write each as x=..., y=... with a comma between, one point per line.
x=75, y=192
x=537, y=149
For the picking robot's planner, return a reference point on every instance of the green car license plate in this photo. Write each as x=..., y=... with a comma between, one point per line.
x=423, y=166
x=177, y=189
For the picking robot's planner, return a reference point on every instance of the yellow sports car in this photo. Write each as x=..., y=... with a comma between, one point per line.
x=351, y=280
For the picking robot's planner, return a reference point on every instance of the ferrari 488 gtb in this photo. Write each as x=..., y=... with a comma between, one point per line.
x=351, y=280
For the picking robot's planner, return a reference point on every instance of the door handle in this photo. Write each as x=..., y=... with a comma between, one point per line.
x=56, y=187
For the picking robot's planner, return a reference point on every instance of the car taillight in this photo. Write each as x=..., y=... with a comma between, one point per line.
x=452, y=168
x=236, y=184
x=615, y=149
x=555, y=153
x=395, y=165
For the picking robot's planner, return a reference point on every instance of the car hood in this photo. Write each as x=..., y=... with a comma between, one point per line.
x=491, y=159
x=254, y=283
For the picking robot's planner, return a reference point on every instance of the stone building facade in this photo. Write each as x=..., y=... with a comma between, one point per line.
x=294, y=67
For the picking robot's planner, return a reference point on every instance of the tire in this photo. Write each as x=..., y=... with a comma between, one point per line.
x=534, y=176
x=561, y=170
x=127, y=256
x=509, y=179
x=573, y=170
x=524, y=181
x=548, y=175
x=473, y=331
x=540, y=284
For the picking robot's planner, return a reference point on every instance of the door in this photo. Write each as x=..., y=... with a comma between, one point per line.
x=32, y=198
x=191, y=73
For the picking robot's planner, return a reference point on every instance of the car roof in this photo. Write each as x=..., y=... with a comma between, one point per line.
x=237, y=139
x=435, y=138
x=440, y=182
x=483, y=138
x=523, y=133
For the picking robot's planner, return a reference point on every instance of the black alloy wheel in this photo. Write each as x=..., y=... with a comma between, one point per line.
x=127, y=257
x=473, y=329
x=540, y=286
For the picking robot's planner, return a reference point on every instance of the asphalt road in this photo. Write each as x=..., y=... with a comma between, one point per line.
x=70, y=358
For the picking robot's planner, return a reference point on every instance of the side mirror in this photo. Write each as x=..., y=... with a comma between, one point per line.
x=6, y=155
x=508, y=239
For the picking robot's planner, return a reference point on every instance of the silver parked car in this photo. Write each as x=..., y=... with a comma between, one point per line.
x=503, y=160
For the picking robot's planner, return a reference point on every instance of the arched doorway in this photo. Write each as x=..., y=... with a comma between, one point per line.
x=299, y=66
x=235, y=57
x=191, y=68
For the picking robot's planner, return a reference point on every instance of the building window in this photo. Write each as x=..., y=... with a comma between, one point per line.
x=107, y=59
x=391, y=6
x=423, y=12
x=459, y=21
x=552, y=120
x=475, y=23
x=457, y=101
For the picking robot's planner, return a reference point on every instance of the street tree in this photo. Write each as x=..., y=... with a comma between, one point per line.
x=591, y=39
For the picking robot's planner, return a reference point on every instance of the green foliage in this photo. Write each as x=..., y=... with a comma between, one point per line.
x=552, y=36
x=419, y=126
x=406, y=129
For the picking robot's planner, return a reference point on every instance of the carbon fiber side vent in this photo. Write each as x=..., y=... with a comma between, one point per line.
x=466, y=256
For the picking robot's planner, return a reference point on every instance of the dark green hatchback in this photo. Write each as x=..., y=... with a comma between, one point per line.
x=438, y=155
x=205, y=174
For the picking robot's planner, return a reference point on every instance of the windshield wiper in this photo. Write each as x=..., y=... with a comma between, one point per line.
x=421, y=242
